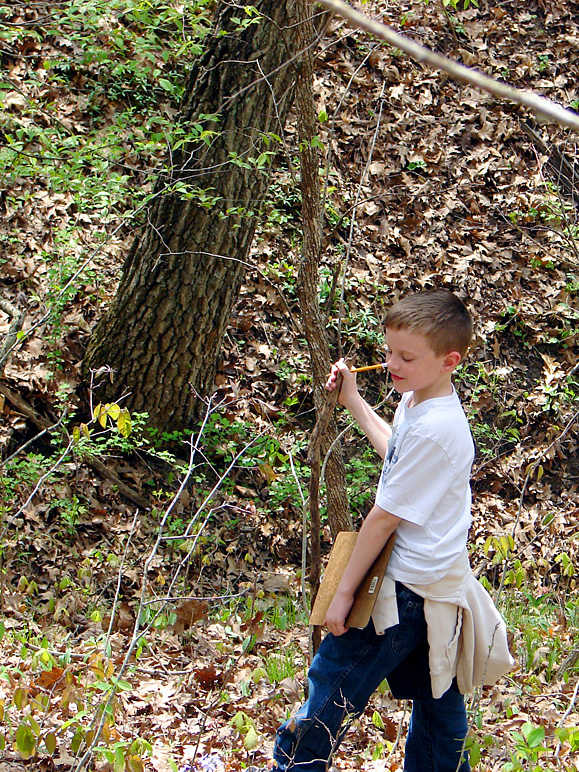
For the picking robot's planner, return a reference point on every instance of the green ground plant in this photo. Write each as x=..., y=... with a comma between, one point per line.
x=479, y=385
x=547, y=629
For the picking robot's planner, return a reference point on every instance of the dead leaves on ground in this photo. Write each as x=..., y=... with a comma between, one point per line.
x=455, y=195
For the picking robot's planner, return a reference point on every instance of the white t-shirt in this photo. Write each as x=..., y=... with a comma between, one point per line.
x=425, y=481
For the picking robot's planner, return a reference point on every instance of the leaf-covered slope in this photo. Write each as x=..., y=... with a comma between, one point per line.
x=430, y=184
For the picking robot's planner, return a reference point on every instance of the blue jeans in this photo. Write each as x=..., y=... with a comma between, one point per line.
x=343, y=675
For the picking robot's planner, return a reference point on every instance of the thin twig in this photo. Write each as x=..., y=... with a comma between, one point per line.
x=119, y=580
x=252, y=267
x=304, y=535
x=569, y=710
x=36, y=488
x=17, y=317
x=398, y=734
x=201, y=598
x=565, y=716
x=225, y=681
x=94, y=462
x=54, y=309
x=99, y=719
x=353, y=219
x=138, y=630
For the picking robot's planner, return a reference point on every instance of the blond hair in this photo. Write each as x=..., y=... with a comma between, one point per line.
x=438, y=315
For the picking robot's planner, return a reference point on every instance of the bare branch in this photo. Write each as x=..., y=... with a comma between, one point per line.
x=543, y=108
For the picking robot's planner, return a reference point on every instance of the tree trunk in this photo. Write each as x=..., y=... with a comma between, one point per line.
x=163, y=331
x=308, y=277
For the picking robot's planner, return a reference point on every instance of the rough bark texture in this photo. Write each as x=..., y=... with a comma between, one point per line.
x=308, y=278
x=163, y=331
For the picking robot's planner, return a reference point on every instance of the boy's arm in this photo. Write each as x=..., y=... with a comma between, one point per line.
x=375, y=428
x=374, y=533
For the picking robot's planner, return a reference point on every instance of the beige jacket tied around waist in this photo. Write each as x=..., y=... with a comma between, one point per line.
x=467, y=636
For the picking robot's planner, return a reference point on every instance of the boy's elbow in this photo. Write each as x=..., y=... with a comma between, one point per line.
x=387, y=520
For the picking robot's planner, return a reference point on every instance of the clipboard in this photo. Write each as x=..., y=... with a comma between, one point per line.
x=366, y=594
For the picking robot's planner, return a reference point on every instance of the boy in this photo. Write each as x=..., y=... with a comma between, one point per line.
x=434, y=632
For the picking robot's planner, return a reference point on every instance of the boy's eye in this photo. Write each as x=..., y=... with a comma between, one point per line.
x=407, y=359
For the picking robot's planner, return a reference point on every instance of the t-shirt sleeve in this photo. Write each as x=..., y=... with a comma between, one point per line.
x=417, y=481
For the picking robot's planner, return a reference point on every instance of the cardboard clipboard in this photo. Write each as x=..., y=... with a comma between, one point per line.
x=367, y=592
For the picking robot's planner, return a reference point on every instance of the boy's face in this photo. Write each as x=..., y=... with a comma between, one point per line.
x=414, y=366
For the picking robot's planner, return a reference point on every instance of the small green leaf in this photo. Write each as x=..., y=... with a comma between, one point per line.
x=251, y=739
x=100, y=415
x=377, y=720
x=25, y=741
x=119, y=762
x=535, y=736
x=113, y=410
x=124, y=424
x=34, y=725
x=20, y=698
x=50, y=742
x=76, y=741
x=134, y=764
x=239, y=720
x=475, y=754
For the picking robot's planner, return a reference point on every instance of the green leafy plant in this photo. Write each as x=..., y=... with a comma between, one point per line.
x=247, y=729
x=263, y=459
x=280, y=666
x=126, y=755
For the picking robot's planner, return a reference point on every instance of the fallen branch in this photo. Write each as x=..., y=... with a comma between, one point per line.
x=125, y=490
x=542, y=108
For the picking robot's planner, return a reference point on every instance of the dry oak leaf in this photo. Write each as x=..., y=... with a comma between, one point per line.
x=189, y=612
x=208, y=676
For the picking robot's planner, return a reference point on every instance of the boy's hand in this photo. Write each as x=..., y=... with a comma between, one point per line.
x=337, y=613
x=349, y=387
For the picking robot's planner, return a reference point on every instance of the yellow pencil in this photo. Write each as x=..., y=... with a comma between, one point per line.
x=382, y=366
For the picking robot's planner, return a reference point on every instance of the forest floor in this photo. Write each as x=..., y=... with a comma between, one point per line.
x=431, y=184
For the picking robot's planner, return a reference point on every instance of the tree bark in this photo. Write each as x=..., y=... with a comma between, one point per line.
x=163, y=331
x=308, y=279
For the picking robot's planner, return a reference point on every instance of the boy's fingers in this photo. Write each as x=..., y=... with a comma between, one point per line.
x=337, y=629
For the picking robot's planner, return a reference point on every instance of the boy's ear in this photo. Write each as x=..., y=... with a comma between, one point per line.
x=451, y=361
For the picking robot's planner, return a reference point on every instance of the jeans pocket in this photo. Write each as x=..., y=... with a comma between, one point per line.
x=411, y=629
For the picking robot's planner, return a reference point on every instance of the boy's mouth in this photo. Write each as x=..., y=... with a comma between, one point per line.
x=396, y=377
